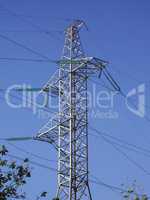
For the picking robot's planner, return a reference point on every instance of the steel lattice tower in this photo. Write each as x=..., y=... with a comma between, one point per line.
x=68, y=130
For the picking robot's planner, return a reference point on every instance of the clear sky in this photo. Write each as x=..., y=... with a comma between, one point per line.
x=119, y=33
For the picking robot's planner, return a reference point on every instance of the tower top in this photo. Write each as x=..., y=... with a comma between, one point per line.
x=73, y=47
x=77, y=24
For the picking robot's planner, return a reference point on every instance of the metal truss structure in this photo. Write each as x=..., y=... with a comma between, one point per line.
x=68, y=130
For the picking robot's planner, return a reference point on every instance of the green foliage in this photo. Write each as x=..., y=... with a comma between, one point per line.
x=132, y=194
x=43, y=194
x=12, y=176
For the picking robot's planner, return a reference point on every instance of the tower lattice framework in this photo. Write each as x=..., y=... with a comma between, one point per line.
x=68, y=129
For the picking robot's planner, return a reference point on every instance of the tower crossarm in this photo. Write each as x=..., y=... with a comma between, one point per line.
x=94, y=65
x=49, y=132
x=91, y=64
x=52, y=85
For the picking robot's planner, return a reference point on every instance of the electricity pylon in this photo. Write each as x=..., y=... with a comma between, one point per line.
x=68, y=130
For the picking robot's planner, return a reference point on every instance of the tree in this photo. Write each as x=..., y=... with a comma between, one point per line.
x=133, y=194
x=13, y=177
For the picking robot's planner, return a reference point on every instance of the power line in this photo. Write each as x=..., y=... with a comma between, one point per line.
x=133, y=104
x=102, y=85
x=124, y=144
x=24, y=47
x=22, y=90
x=112, y=187
x=46, y=167
x=113, y=83
x=17, y=139
x=29, y=102
x=32, y=162
x=115, y=138
x=124, y=95
x=130, y=149
x=107, y=186
x=125, y=155
x=119, y=92
x=30, y=153
x=123, y=152
x=26, y=20
x=29, y=31
x=22, y=149
x=41, y=16
x=98, y=182
x=127, y=73
x=27, y=60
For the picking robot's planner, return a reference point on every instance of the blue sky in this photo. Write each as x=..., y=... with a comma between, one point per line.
x=118, y=32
